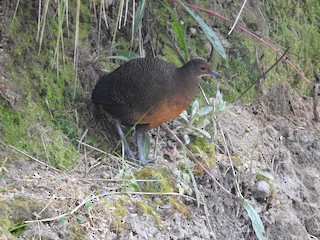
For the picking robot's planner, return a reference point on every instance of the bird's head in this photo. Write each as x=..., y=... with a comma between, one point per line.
x=198, y=68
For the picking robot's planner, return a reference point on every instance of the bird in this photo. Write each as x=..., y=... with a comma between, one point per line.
x=147, y=92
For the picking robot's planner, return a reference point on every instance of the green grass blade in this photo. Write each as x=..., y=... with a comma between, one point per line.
x=43, y=21
x=212, y=37
x=255, y=219
x=61, y=14
x=18, y=227
x=125, y=54
x=138, y=16
x=195, y=186
x=177, y=29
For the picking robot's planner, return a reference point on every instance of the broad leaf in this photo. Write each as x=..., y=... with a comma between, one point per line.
x=202, y=131
x=205, y=110
x=177, y=29
x=255, y=219
x=138, y=16
x=212, y=37
x=125, y=55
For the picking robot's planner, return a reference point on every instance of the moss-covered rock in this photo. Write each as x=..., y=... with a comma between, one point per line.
x=15, y=211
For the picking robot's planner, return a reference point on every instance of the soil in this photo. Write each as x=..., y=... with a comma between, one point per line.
x=275, y=135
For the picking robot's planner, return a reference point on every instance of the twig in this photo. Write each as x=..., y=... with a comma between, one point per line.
x=6, y=98
x=232, y=167
x=82, y=137
x=47, y=205
x=108, y=154
x=33, y=158
x=117, y=180
x=16, y=10
x=316, y=100
x=90, y=198
x=2, y=167
x=262, y=76
x=261, y=70
x=44, y=145
x=206, y=211
x=237, y=18
x=196, y=160
x=203, y=94
x=85, y=152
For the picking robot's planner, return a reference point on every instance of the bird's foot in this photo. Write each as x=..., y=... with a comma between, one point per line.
x=140, y=160
x=144, y=162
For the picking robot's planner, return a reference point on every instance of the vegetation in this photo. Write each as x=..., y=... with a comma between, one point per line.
x=49, y=52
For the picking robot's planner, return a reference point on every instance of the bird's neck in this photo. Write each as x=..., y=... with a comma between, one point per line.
x=186, y=76
x=186, y=85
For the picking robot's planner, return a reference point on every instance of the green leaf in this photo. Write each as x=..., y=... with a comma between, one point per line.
x=203, y=123
x=205, y=110
x=177, y=29
x=18, y=227
x=202, y=131
x=212, y=37
x=195, y=107
x=125, y=55
x=255, y=219
x=195, y=186
x=184, y=115
x=186, y=139
x=138, y=16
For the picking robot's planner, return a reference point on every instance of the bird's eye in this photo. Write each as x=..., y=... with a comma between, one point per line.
x=203, y=68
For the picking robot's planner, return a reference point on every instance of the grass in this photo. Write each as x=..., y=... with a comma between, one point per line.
x=44, y=122
x=41, y=124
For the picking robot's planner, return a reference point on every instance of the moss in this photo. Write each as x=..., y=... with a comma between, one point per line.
x=43, y=123
x=15, y=211
x=294, y=24
x=237, y=160
x=119, y=212
x=289, y=24
x=170, y=55
x=261, y=177
x=163, y=185
x=35, y=134
x=180, y=206
x=77, y=232
x=68, y=127
x=207, y=159
x=148, y=209
x=204, y=146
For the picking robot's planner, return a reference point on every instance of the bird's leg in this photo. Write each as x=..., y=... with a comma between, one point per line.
x=143, y=143
x=124, y=140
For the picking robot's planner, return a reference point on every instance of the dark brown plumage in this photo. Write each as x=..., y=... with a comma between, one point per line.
x=149, y=91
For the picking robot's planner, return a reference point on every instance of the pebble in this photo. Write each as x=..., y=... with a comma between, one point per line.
x=193, y=31
x=262, y=190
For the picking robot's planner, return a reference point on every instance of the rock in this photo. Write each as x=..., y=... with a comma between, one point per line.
x=262, y=190
x=193, y=32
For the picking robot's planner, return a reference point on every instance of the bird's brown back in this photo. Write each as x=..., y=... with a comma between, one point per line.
x=146, y=91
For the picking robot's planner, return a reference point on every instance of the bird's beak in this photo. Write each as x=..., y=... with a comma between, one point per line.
x=216, y=74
